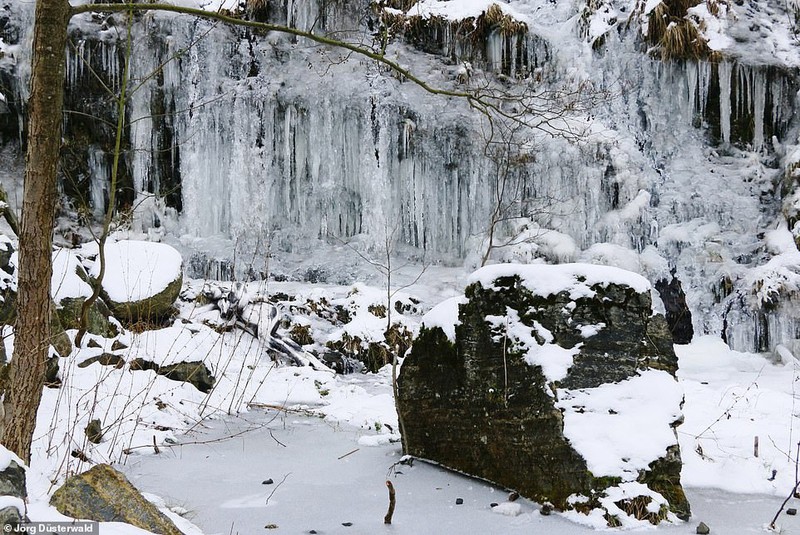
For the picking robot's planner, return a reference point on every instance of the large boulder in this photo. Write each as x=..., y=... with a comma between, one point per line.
x=105, y=495
x=142, y=280
x=12, y=489
x=556, y=381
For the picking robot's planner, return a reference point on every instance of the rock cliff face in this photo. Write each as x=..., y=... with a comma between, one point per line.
x=555, y=382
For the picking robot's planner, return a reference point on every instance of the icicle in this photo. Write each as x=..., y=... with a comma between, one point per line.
x=745, y=89
x=777, y=88
x=98, y=176
x=691, y=85
x=703, y=81
x=724, y=69
x=494, y=51
x=759, y=87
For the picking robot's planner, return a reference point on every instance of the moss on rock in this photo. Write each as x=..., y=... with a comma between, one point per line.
x=105, y=495
x=69, y=312
x=151, y=310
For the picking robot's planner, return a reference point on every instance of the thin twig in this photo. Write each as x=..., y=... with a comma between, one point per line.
x=275, y=439
x=346, y=454
x=791, y=494
x=276, y=488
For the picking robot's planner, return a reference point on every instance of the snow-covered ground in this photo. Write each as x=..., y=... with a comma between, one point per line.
x=326, y=474
x=336, y=435
x=731, y=398
x=324, y=477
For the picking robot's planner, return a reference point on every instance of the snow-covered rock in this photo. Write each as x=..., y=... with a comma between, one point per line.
x=559, y=382
x=13, y=489
x=104, y=494
x=142, y=280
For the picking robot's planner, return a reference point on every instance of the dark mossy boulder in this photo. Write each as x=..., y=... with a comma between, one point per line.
x=142, y=280
x=105, y=495
x=69, y=312
x=153, y=309
x=94, y=431
x=6, y=252
x=195, y=373
x=58, y=338
x=8, y=305
x=12, y=483
x=12, y=479
x=8, y=282
x=530, y=371
x=679, y=317
x=104, y=359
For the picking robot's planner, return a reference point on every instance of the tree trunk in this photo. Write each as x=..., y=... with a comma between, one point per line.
x=26, y=376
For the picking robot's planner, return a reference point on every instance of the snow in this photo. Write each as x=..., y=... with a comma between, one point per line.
x=12, y=501
x=600, y=422
x=459, y=9
x=6, y=457
x=731, y=398
x=713, y=27
x=508, y=509
x=546, y=280
x=65, y=281
x=554, y=360
x=445, y=316
x=137, y=270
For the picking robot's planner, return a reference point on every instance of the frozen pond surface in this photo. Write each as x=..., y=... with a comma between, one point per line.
x=323, y=479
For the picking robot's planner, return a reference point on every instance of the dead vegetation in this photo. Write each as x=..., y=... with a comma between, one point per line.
x=675, y=34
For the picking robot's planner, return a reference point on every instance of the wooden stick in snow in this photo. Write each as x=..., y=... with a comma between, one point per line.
x=388, y=518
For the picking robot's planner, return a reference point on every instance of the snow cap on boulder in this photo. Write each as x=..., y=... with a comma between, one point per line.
x=142, y=279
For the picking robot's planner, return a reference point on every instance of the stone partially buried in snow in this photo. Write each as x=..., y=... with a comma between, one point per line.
x=105, y=495
x=12, y=488
x=556, y=381
x=142, y=279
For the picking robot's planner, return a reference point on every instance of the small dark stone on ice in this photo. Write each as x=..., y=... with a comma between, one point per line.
x=514, y=496
x=271, y=526
x=546, y=509
x=347, y=524
x=493, y=504
x=702, y=529
x=791, y=512
x=267, y=482
x=312, y=532
x=459, y=501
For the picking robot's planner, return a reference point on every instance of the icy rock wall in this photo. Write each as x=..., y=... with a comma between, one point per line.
x=242, y=138
x=322, y=154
